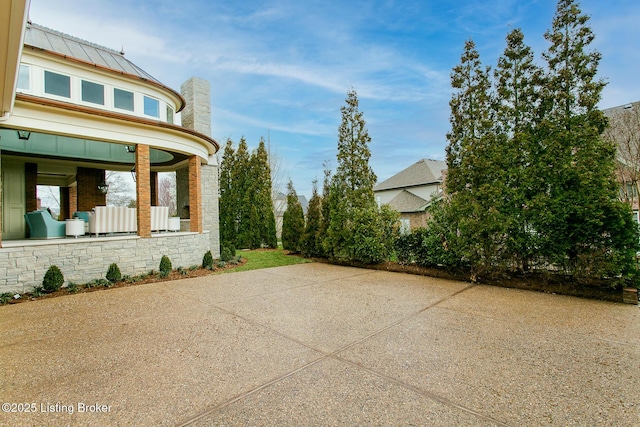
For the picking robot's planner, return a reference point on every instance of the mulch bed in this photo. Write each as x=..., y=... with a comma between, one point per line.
x=553, y=284
x=152, y=278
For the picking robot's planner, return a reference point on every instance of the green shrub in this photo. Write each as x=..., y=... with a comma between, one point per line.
x=37, y=291
x=225, y=254
x=5, y=298
x=426, y=248
x=72, y=287
x=113, y=273
x=165, y=266
x=53, y=279
x=95, y=283
x=207, y=260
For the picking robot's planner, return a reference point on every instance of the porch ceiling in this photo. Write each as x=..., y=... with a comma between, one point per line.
x=65, y=147
x=58, y=157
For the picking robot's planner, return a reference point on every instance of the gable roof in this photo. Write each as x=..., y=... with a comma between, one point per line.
x=425, y=171
x=406, y=202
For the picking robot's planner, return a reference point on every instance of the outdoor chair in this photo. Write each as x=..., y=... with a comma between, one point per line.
x=43, y=226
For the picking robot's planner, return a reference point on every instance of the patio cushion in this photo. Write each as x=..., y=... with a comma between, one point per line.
x=112, y=219
x=159, y=218
x=43, y=226
x=82, y=215
x=116, y=219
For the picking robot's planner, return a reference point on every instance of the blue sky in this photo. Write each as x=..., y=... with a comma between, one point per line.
x=280, y=69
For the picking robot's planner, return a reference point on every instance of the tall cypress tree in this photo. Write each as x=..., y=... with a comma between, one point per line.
x=354, y=177
x=228, y=197
x=352, y=185
x=241, y=181
x=517, y=80
x=473, y=180
x=292, y=221
x=311, y=244
x=265, y=230
x=326, y=208
x=581, y=222
x=357, y=231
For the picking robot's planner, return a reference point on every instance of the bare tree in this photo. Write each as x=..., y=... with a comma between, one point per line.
x=49, y=197
x=277, y=172
x=167, y=191
x=120, y=191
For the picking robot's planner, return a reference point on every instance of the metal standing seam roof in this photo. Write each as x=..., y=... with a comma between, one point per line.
x=63, y=44
x=425, y=171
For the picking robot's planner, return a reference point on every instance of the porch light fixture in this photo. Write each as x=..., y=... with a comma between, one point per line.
x=23, y=134
x=103, y=187
x=130, y=148
x=133, y=173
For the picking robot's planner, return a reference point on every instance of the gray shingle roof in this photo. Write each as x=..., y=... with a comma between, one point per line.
x=425, y=171
x=41, y=37
x=406, y=202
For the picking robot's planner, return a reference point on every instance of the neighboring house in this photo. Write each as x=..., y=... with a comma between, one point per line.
x=280, y=206
x=624, y=130
x=71, y=110
x=411, y=190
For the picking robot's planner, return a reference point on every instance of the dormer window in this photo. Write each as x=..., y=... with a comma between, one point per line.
x=57, y=84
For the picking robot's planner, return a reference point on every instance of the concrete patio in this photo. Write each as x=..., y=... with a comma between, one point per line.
x=315, y=344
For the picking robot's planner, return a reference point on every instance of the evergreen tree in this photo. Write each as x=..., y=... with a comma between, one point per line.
x=242, y=183
x=354, y=177
x=292, y=221
x=474, y=179
x=265, y=230
x=326, y=209
x=517, y=80
x=581, y=223
x=228, y=198
x=312, y=239
x=356, y=230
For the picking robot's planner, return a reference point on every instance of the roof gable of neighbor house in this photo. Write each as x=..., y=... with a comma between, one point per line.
x=68, y=46
x=280, y=203
x=425, y=171
x=407, y=202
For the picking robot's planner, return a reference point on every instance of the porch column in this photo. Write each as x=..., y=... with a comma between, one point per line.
x=154, y=188
x=73, y=197
x=31, y=186
x=195, y=194
x=65, y=212
x=143, y=190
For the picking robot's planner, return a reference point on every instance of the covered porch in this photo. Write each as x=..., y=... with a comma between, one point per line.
x=46, y=145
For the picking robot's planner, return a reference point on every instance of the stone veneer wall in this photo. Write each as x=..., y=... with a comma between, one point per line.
x=197, y=116
x=210, y=208
x=85, y=259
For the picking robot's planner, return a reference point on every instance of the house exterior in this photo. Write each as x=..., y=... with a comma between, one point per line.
x=411, y=190
x=624, y=130
x=71, y=110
